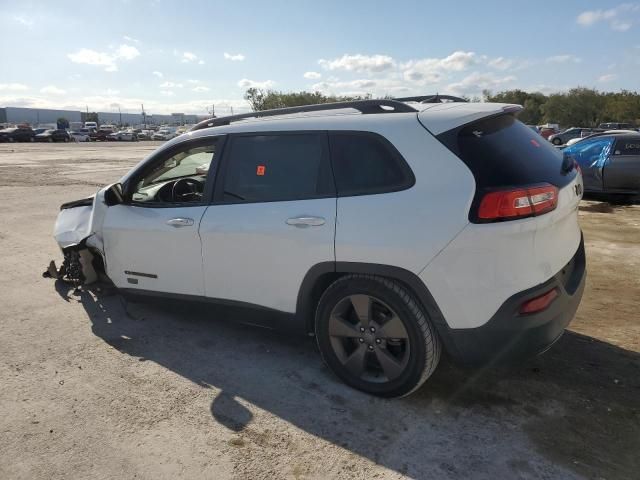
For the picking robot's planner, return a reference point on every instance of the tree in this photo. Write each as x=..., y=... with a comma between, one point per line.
x=90, y=117
x=63, y=123
x=260, y=99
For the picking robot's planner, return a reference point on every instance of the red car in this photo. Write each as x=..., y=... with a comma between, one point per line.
x=547, y=132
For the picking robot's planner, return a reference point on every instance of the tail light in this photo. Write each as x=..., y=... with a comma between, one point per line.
x=539, y=303
x=517, y=203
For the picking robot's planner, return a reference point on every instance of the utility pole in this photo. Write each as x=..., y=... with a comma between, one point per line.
x=120, y=116
x=144, y=117
x=231, y=109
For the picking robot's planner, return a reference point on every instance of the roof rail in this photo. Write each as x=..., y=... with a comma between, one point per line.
x=431, y=99
x=364, y=106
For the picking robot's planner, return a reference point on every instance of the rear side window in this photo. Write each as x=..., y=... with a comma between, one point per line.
x=262, y=168
x=501, y=152
x=366, y=163
x=628, y=146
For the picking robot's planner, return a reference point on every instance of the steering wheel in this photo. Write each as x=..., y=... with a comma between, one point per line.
x=186, y=190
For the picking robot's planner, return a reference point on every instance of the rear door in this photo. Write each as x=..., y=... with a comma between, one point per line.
x=622, y=172
x=273, y=218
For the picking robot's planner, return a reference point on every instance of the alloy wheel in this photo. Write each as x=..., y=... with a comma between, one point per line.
x=369, y=338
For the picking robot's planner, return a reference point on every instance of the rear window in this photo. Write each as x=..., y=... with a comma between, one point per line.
x=502, y=152
x=366, y=163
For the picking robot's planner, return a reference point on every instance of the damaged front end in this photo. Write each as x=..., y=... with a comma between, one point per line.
x=78, y=231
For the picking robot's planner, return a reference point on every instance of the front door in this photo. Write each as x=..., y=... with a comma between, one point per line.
x=151, y=241
x=273, y=218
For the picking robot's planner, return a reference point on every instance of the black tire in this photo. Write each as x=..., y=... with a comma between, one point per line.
x=416, y=352
x=556, y=141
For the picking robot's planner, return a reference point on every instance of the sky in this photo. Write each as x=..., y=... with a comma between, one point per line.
x=188, y=56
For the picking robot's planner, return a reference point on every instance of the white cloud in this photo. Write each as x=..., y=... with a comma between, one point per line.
x=188, y=57
x=131, y=39
x=157, y=74
x=127, y=52
x=312, y=75
x=171, y=85
x=474, y=83
x=432, y=70
x=13, y=87
x=193, y=82
x=24, y=21
x=566, y=58
x=234, y=58
x=358, y=85
x=246, y=83
x=500, y=63
x=359, y=63
x=104, y=59
x=607, y=78
x=167, y=93
x=52, y=90
x=612, y=16
x=201, y=89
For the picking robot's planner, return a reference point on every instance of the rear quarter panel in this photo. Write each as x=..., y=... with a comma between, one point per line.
x=407, y=228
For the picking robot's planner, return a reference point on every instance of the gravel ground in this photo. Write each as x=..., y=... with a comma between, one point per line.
x=93, y=386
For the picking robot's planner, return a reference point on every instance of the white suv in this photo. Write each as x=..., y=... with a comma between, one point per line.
x=391, y=230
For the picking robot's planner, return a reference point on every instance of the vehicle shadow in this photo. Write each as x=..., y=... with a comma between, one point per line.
x=578, y=405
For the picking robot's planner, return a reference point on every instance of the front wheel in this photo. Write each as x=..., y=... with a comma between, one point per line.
x=374, y=335
x=556, y=141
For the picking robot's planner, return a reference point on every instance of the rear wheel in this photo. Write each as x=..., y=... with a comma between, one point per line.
x=556, y=141
x=374, y=336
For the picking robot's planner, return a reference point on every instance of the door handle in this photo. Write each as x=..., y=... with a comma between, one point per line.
x=304, y=222
x=180, y=222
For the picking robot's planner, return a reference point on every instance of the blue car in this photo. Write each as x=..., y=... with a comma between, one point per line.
x=610, y=163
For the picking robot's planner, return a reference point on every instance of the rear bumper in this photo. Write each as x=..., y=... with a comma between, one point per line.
x=509, y=336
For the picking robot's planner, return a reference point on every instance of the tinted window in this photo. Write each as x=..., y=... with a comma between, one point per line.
x=501, y=151
x=628, y=146
x=367, y=163
x=277, y=167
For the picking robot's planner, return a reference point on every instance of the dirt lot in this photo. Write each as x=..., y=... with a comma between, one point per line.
x=96, y=387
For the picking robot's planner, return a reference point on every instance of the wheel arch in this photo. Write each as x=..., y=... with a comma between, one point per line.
x=321, y=275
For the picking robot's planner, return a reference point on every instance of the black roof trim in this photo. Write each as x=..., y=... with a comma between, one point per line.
x=363, y=106
x=431, y=99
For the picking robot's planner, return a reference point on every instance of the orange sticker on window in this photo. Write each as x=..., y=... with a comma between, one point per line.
x=260, y=170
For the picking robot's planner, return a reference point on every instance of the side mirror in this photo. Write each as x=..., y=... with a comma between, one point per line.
x=114, y=195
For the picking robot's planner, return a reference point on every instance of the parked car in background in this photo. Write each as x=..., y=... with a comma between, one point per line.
x=102, y=135
x=610, y=162
x=93, y=125
x=38, y=131
x=164, y=134
x=21, y=133
x=546, y=132
x=145, y=135
x=80, y=136
x=58, y=135
x=570, y=133
x=615, y=126
x=124, y=136
x=597, y=132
